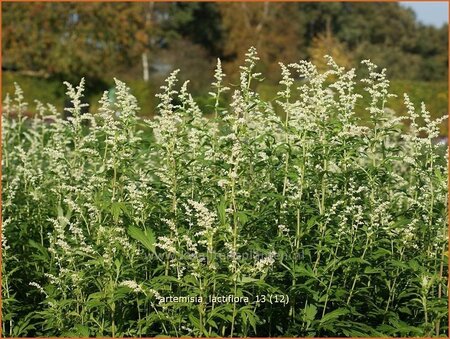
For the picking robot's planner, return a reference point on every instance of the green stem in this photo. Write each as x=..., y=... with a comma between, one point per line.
x=357, y=274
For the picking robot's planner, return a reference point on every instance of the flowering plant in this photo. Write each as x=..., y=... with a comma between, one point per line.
x=246, y=223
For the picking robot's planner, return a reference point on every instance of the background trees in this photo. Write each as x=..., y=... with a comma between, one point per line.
x=142, y=42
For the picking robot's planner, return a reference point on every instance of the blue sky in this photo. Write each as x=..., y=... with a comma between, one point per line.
x=430, y=12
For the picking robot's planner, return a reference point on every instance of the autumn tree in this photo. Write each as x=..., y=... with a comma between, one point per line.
x=273, y=28
x=70, y=39
x=100, y=40
x=326, y=44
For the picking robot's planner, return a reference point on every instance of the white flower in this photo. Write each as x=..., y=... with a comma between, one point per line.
x=265, y=262
x=132, y=285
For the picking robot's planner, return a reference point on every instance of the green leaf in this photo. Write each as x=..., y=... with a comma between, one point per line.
x=333, y=315
x=221, y=211
x=82, y=331
x=96, y=295
x=146, y=237
x=242, y=216
x=310, y=313
x=120, y=293
x=371, y=270
x=117, y=209
x=212, y=323
x=40, y=248
x=305, y=271
x=311, y=221
x=380, y=252
x=352, y=261
x=405, y=309
x=195, y=321
x=246, y=280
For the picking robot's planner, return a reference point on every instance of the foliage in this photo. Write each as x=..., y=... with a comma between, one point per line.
x=326, y=44
x=69, y=39
x=50, y=32
x=327, y=226
x=368, y=30
x=263, y=25
x=98, y=40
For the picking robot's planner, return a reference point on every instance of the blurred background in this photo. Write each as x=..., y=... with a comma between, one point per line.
x=44, y=44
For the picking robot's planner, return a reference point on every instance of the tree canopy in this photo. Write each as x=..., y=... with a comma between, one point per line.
x=99, y=40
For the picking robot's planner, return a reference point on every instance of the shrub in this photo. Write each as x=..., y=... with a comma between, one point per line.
x=242, y=224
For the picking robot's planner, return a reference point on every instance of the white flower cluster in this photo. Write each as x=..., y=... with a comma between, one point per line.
x=264, y=263
x=131, y=284
x=173, y=204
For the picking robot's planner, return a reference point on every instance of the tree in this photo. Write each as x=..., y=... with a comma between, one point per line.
x=326, y=44
x=387, y=33
x=273, y=28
